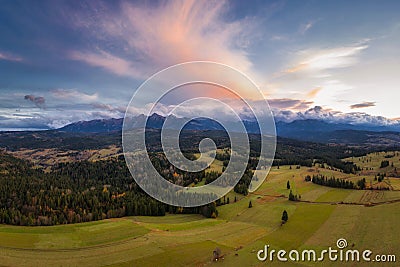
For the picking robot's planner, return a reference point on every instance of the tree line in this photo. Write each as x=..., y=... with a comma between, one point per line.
x=336, y=182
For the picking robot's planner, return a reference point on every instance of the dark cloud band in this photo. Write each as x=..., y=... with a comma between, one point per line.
x=39, y=101
x=363, y=105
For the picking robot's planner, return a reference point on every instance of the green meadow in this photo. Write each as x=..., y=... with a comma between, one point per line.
x=322, y=216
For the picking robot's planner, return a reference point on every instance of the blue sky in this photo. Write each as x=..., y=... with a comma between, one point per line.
x=63, y=61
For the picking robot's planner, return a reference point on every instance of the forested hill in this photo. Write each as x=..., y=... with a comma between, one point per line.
x=75, y=192
x=82, y=190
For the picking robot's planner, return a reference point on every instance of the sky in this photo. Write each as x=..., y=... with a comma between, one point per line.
x=65, y=61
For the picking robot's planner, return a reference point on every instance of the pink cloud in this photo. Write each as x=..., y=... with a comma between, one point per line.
x=172, y=32
x=106, y=61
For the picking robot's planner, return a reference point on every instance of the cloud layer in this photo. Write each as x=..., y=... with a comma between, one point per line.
x=282, y=109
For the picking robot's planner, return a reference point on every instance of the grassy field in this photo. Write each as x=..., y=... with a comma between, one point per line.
x=373, y=160
x=370, y=165
x=215, y=166
x=316, y=222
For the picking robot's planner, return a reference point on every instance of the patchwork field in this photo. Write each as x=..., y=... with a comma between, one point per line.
x=321, y=217
x=371, y=168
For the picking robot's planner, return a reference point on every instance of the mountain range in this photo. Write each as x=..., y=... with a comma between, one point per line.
x=306, y=130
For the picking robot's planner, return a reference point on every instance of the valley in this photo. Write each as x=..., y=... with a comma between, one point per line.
x=77, y=168
x=321, y=217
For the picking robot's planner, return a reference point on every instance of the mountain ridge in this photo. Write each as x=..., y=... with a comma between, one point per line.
x=312, y=130
x=283, y=128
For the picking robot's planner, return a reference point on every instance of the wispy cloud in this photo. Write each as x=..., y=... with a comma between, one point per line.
x=312, y=93
x=320, y=69
x=305, y=27
x=158, y=36
x=287, y=103
x=319, y=60
x=106, y=61
x=73, y=94
x=363, y=105
x=9, y=57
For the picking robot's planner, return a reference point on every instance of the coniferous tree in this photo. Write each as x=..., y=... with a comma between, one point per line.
x=291, y=196
x=285, y=217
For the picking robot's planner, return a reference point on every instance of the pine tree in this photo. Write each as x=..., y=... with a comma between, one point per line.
x=285, y=217
x=292, y=197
